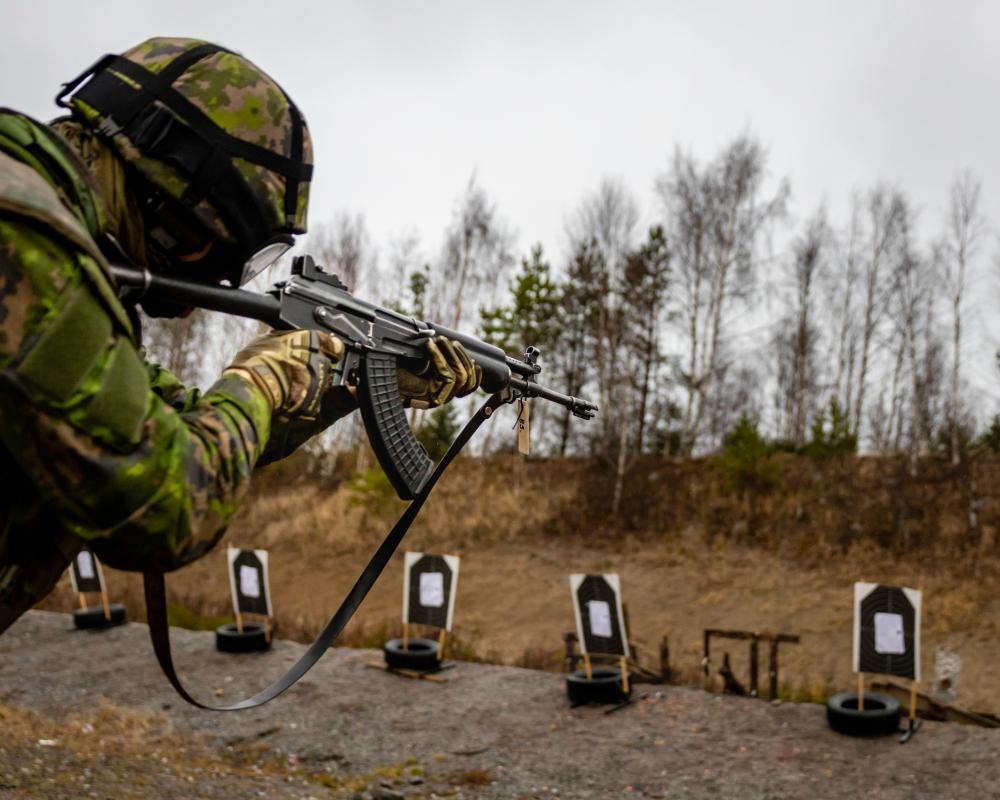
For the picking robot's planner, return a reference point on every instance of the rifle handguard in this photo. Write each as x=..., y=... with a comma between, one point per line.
x=403, y=459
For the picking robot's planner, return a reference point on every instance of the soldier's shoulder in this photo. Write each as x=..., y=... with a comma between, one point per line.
x=26, y=194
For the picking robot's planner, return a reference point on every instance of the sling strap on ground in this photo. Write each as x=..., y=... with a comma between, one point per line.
x=156, y=600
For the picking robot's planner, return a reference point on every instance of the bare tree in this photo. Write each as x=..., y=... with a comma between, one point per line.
x=477, y=253
x=840, y=290
x=734, y=394
x=608, y=218
x=716, y=218
x=403, y=260
x=965, y=227
x=798, y=336
x=604, y=229
x=343, y=246
x=918, y=374
x=604, y=225
x=886, y=212
x=577, y=301
x=646, y=280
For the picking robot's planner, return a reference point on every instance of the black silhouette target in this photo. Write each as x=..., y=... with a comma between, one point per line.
x=249, y=582
x=600, y=622
x=85, y=573
x=429, y=585
x=887, y=630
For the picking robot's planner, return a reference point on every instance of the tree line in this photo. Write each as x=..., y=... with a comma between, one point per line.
x=724, y=311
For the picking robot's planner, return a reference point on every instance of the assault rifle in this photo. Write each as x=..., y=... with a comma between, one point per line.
x=377, y=339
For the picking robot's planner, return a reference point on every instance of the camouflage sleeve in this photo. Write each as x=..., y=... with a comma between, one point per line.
x=145, y=471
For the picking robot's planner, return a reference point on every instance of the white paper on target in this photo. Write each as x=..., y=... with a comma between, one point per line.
x=889, y=638
x=432, y=589
x=600, y=618
x=249, y=581
x=85, y=565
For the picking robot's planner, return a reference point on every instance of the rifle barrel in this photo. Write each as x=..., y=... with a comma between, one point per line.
x=262, y=307
x=580, y=408
x=267, y=309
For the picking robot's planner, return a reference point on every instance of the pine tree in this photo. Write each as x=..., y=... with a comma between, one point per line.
x=530, y=318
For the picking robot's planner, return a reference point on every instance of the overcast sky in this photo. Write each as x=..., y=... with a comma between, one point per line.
x=541, y=99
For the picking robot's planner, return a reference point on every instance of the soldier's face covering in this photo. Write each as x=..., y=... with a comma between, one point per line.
x=121, y=216
x=196, y=257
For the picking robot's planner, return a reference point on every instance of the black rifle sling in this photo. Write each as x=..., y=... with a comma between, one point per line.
x=156, y=601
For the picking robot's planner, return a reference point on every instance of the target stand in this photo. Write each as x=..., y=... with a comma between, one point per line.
x=886, y=642
x=87, y=577
x=601, y=633
x=430, y=584
x=251, y=595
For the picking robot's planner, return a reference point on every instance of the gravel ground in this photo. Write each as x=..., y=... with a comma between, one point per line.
x=89, y=714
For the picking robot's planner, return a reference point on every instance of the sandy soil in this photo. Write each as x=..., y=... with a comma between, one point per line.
x=87, y=714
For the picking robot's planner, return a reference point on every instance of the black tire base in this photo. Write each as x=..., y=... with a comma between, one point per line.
x=604, y=687
x=880, y=717
x=228, y=639
x=92, y=617
x=422, y=655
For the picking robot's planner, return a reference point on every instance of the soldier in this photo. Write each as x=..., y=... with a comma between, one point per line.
x=185, y=157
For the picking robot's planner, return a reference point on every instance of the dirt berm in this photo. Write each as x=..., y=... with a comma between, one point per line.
x=88, y=714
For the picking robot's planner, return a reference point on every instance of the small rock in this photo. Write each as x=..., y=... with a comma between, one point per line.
x=386, y=793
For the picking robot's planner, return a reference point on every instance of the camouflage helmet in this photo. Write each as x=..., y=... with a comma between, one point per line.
x=222, y=153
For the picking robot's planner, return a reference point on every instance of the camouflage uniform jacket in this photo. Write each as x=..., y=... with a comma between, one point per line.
x=97, y=447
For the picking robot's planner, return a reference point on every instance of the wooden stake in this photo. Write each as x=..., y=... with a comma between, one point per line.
x=107, y=605
x=624, y=675
x=913, y=700
x=406, y=636
x=239, y=623
x=664, y=659
x=861, y=691
x=441, y=637
x=628, y=629
x=83, y=601
x=267, y=629
x=586, y=666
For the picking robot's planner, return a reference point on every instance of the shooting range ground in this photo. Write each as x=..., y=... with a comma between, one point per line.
x=687, y=564
x=496, y=733
x=679, y=592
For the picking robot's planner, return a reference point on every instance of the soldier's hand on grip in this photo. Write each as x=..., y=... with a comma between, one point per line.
x=292, y=368
x=449, y=373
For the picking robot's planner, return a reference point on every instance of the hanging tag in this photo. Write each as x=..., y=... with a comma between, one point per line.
x=524, y=428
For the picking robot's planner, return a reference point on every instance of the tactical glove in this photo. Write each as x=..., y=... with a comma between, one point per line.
x=449, y=373
x=292, y=368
